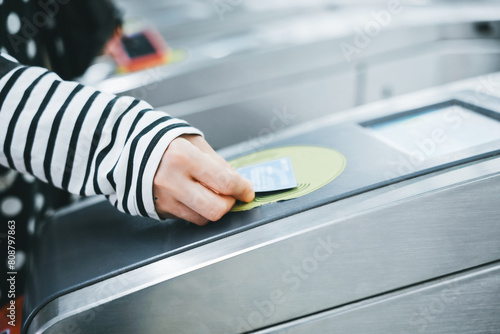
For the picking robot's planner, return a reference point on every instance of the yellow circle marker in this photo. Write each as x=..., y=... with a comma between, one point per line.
x=314, y=167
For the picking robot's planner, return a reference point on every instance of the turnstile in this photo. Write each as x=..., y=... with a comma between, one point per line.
x=406, y=239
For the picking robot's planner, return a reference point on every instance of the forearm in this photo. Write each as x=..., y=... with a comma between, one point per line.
x=83, y=140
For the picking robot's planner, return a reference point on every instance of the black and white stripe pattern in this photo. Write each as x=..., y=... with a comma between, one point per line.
x=83, y=140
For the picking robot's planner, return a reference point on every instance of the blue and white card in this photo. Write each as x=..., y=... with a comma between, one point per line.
x=270, y=175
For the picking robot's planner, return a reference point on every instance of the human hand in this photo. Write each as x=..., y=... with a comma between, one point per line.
x=196, y=184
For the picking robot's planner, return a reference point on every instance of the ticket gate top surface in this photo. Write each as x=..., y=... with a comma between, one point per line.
x=80, y=247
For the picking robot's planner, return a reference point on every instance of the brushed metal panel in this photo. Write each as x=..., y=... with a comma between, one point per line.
x=465, y=303
x=322, y=258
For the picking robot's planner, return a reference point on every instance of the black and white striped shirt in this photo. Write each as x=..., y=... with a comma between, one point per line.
x=82, y=140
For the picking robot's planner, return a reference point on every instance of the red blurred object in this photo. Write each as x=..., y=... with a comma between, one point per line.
x=139, y=51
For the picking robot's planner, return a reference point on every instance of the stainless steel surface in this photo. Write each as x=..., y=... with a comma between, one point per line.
x=465, y=303
x=352, y=249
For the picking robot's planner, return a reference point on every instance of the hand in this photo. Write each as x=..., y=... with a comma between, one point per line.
x=194, y=183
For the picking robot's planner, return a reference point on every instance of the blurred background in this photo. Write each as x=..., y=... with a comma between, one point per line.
x=230, y=67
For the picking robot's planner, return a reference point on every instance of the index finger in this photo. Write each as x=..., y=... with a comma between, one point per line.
x=222, y=179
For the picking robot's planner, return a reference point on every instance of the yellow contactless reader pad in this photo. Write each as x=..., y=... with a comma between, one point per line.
x=314, y=167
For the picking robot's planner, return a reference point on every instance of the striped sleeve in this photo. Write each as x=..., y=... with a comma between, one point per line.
x=82, y=140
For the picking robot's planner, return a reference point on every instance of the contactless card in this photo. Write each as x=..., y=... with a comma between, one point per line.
x=270, y=175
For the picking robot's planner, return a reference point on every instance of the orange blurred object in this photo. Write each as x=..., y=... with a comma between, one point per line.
x=139, y=51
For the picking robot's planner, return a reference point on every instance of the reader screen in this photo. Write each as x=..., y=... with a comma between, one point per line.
x=438, y=131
